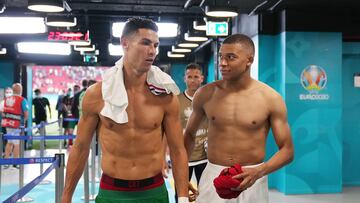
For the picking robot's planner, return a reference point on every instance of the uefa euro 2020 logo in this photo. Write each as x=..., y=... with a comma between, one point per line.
x=313, y=78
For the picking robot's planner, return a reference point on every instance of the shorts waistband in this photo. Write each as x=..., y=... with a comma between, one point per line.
x=217, y=168
x=110, y=183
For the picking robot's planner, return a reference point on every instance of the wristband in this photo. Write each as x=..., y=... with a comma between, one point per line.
x=183, y=200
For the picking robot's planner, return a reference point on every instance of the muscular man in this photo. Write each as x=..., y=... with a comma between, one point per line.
x=131, y=140
x=241, y=112
x=15, y=114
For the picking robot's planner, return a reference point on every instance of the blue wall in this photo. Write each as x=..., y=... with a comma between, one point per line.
x=210, y=71
x=6, y=74
x=351, y=114
x=271, y=67
x=177, y=73
x=315, y=124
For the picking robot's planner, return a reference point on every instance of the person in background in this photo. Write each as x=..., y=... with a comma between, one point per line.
x=68, y=125
x=193, y=79
x=76, y=102
x=15, y=114
x=8, y=92
x=40, y=103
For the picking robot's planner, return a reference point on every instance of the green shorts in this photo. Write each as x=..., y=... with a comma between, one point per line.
x=154, y=195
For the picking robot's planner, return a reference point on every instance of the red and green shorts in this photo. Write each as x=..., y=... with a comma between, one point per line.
x=149, y=190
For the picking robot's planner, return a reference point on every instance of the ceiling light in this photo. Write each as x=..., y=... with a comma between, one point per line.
x=220, y=11
x=194, y=37
x=60, y=21
x=93, y=53
x=172, y=55
x=180, y=50
x=53, y=48
x=2, y=50
x=84, y=48
x=115, y=50
x=199, y=24
x=46, y=5
x=165, y=29
x=80, y=42
x=22, y=25
x=187, y=45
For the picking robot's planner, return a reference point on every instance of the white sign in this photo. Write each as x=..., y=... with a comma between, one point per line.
x=217, y=28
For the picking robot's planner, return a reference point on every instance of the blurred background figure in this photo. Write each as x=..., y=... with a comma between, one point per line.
x=8, y=93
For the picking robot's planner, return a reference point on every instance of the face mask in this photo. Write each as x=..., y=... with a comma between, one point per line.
x=8, y=94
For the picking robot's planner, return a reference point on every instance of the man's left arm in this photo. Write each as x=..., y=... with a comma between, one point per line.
x=173, y=132
x=281, y=132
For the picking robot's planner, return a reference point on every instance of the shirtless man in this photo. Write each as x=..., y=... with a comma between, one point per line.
x=132, y=153
x=241, y=112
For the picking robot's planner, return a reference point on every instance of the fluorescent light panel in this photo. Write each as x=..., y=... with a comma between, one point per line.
x=84, y=48
x=199, y=25
x=115, y=50
x=188, y=45
x=46, y=5
x=220, y=11
x=80, y=42
x=194, y=38
x=52, y=48
x=180, y=50
x=22, y=25
x=3, y=51
x=172, y=55
x=61, y=21
x=165, y=29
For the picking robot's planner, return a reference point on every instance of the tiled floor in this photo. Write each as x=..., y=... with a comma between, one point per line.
x=46, y=193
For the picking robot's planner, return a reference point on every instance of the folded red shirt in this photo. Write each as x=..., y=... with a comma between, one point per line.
x=224, y=182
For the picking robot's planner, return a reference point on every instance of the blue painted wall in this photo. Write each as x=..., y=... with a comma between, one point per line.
x=271, y=52
x=177, y=73
x=6, y=74
x=351, y=114
x=316, y=125
x=210, y=71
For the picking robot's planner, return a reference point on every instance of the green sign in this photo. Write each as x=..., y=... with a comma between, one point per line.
x=217, y=28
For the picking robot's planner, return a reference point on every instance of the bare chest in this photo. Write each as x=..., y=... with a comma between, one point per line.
x=145, y=113
x=234, y=110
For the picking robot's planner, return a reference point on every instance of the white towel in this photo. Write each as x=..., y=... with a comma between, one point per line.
x=114, y=93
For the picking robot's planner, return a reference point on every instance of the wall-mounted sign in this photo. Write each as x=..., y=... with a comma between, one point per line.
x=217, y=28
x=357, y=80
x=65, y=36
x=313, y=79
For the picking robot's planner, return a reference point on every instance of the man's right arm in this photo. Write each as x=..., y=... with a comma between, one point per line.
x=80, y=151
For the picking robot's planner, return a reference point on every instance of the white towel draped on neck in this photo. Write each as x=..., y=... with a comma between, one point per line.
x=114, y=93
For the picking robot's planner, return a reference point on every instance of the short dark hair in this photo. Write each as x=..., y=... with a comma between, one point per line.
x=84, y=83
x=192, y=66
x=241, y=39
x=132, y=25
x=37, y=91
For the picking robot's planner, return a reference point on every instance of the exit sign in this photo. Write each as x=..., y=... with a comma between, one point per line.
x=217, y=28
